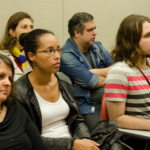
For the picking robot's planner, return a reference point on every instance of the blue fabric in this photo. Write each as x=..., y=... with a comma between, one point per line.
x=75, y=65
x=22, y=59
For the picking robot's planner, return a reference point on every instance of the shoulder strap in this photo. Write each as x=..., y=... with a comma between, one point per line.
x=116, y=136
x=144, y=76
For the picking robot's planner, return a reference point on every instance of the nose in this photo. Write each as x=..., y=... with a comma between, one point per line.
x=29, y=29
x=94, y=32
x=7, y=82
x=57, y=54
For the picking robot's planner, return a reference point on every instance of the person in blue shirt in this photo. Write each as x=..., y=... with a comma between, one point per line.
x=86, y=62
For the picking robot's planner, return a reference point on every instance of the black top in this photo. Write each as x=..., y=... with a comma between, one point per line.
x=88, y=56
x=17, y=132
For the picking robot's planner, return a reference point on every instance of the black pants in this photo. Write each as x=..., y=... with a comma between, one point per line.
x=92, y=119
x=137, y=144
x=96, y=97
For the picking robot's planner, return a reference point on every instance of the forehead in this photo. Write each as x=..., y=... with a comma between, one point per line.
x=89, y=24
x=25, y=21
x=48, y=40
x=146, y=27
x=4, y=68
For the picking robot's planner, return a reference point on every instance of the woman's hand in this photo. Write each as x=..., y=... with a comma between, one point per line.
x=85, y=144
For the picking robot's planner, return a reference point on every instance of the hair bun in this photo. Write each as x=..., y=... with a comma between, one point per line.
x=22, y=38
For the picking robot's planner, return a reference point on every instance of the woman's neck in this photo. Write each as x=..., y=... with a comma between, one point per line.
x=41, y=77
x=18, y=45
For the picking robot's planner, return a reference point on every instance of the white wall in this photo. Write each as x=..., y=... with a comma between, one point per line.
x=54, y=15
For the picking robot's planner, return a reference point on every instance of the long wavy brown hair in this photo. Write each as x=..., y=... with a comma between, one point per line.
x=8, y=41
x=12, y=96
x=127, y=41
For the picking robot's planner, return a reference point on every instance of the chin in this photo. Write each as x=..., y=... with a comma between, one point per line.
x=3, y=98
x=91, y=43
x=56, y=70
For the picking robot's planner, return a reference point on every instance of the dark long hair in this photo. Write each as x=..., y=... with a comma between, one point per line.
x=127, y=41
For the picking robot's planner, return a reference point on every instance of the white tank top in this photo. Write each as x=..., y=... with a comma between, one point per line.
x=53, y=117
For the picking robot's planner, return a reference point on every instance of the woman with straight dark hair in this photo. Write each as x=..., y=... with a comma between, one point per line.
x=48, y=97
x=18, y=23
x=17, y=131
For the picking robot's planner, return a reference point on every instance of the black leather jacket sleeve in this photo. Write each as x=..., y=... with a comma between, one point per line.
x=58, y=143
x=80, y=130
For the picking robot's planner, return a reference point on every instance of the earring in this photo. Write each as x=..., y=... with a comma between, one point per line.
x=34, y=64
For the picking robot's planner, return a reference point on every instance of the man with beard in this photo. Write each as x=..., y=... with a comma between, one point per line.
x=86, y=62
x=127, y=86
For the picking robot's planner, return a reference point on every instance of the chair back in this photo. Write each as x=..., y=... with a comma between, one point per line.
x=104, y=114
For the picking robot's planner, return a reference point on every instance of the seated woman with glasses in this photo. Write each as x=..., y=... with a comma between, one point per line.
x=17, y=131
x=47, y=95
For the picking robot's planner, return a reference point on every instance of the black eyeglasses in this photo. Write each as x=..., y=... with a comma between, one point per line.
x=51, y=51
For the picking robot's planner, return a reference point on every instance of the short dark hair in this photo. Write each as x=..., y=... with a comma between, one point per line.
x=77, y=22
x=30, y=41
x=127, y=41
x=12, y=96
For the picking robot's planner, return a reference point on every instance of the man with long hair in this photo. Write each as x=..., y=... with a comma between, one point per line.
x=127, y=86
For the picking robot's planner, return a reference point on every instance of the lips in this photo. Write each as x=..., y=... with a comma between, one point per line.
x=4, y=91
x=57, y=64
x=93, y=39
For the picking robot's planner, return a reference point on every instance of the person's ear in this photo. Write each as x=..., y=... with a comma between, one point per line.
x=31, y=56
x=12, y=32
x=77, y=33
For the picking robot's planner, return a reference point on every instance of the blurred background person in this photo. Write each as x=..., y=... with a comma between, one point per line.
x=18, y=23
x=127, y=86
x=17, y=131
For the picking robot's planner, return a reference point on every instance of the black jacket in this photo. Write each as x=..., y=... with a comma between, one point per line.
x=75, y=122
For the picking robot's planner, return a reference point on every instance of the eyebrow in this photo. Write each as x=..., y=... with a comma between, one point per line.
x=147, y=33
x=2, y=73
x=91, y=28
x=27, y=24
x=53, y=47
